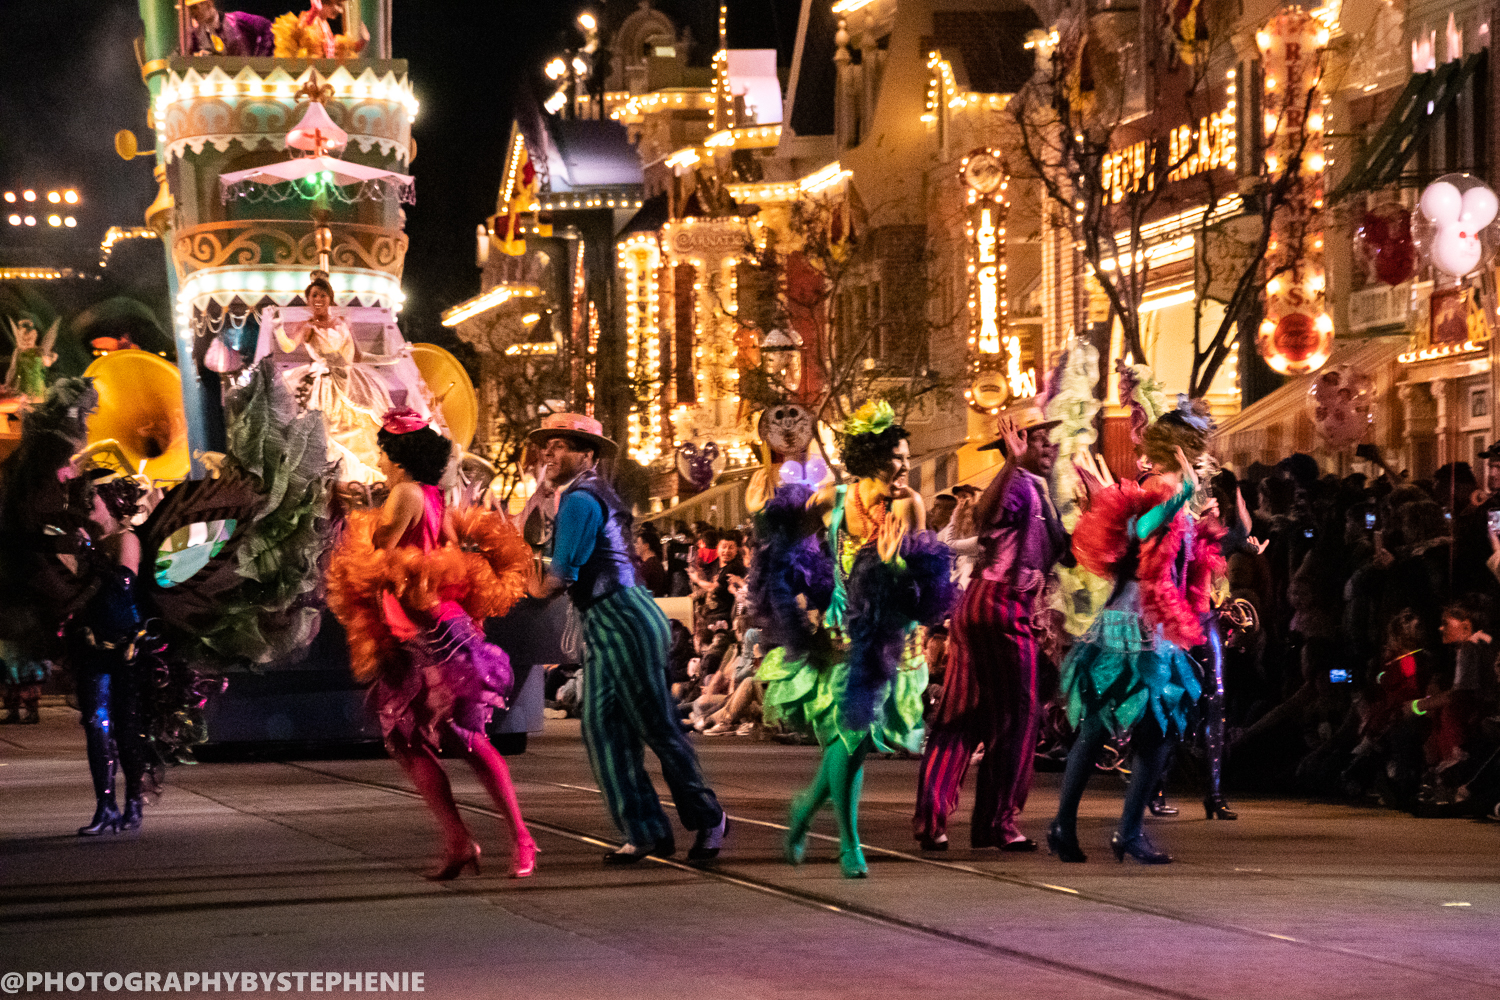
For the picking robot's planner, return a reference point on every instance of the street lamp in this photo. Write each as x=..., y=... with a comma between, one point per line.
x=575, y=68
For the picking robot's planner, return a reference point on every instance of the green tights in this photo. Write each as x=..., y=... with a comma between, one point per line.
x=841, y=777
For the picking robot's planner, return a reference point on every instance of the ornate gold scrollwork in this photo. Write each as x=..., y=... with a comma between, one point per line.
x=286, y=242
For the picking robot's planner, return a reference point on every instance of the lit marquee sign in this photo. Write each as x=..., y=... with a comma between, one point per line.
x=995, y=370
x=1193, y=148
x=987, y=277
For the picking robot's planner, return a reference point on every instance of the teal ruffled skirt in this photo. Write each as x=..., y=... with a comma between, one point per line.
x=1119, y=670
x=19, y=671
x=807, y=698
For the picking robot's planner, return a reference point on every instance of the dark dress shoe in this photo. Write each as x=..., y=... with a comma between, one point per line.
x=1215, y=807
x=928, y=844
x=710, y=840
x=1140, y=848
x=1022, y=846
x=1064, y=844
x=1158, y=805
x=663, y=848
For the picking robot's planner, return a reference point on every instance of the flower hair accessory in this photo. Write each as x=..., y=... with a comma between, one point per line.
x=872, y=418
x=1189, y=416
x=402, y=420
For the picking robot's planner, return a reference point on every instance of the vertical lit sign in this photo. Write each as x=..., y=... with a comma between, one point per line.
x=988, y=279
x=994, y=355
x=639, y=260
x=1296, y=335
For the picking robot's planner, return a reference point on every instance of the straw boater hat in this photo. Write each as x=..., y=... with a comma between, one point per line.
x=1028, y=418
x=576, y=426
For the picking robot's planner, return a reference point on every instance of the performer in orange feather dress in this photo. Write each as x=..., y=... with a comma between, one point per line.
x=410, y=583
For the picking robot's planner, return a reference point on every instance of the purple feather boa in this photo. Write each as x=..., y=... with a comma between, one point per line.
x=789, y=565
x=883, y=604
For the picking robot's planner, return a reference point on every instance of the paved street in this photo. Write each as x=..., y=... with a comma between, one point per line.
x=314, y=866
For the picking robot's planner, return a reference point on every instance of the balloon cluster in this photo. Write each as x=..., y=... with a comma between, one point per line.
x=1339, y=401
x=1383, y=237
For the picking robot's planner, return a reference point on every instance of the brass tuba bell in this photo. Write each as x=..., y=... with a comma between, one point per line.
x=452, y=391
x=141, y=411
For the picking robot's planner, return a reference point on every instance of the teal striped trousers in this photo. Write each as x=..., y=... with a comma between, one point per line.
x=627, y=706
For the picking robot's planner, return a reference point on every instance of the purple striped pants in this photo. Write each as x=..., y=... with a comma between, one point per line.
x=989, y=697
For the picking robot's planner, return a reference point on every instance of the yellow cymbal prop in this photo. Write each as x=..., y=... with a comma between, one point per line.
x=140, y=409
x=451, y=390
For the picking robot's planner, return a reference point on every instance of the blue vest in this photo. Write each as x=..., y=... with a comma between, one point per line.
x=611, y=566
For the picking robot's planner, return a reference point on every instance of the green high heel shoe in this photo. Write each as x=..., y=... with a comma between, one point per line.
x=798, y=824
x=852, y=863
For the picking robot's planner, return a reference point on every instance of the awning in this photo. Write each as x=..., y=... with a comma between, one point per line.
x=1245, y=433
x=1427, y=97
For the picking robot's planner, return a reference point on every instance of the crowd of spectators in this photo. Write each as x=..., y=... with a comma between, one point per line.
x=1373, y=672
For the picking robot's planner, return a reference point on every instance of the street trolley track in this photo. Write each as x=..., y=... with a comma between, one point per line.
x=828, y=904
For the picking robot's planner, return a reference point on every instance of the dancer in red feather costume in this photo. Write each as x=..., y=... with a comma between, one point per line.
x=410, y=597
x=1131, y=673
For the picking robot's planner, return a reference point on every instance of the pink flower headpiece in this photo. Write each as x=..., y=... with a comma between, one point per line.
x=402, y=420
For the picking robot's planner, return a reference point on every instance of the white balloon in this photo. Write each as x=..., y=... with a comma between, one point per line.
x=1480, y=206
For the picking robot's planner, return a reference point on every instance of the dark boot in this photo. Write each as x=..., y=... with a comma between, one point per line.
x=134, y=750
x=102, y=769
x=93, y=699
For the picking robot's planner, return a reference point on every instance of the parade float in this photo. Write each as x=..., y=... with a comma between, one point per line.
x=281, y=185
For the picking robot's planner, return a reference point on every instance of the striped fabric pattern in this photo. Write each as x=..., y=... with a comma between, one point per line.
x=989, y=697
x=626, y=707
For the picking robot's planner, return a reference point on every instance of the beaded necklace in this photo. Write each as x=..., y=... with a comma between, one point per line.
x=883, y=505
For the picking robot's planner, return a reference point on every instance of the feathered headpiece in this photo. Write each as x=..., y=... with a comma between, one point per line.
x=402, y=420
x=872, y=418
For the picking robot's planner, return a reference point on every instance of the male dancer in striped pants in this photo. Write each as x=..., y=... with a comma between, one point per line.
x=989, y=686
x=626, y=644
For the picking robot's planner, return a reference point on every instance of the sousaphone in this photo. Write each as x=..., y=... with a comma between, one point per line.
x=140, y=421
x=451, y=390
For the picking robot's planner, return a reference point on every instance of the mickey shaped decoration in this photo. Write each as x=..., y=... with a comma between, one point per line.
x=1458, y=219
x=810, y=473
x=697, y=465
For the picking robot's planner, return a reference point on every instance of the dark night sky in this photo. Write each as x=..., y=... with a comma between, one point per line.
x=68, y=83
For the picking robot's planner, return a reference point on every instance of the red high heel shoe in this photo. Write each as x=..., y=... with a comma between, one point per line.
x=454, y=866
x=523, y=865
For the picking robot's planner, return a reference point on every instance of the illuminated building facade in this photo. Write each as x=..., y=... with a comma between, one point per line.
x=1417, y=104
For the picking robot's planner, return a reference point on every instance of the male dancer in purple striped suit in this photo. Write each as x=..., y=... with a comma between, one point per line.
x=989, y=688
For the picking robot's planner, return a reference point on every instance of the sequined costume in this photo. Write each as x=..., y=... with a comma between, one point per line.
x=410, y=612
